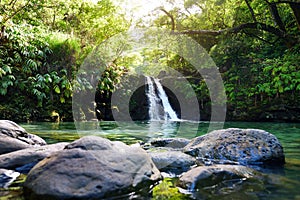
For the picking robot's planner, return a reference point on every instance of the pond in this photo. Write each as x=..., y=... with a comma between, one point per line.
x=285, y=183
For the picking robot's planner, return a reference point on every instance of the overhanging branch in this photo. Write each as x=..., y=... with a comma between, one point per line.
x=171, y=17
x=255, y=25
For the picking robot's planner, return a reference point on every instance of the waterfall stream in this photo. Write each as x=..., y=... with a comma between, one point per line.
x=159, y=105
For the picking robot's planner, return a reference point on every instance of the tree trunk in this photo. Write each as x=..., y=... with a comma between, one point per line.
x=276, y=16
x=296, y=10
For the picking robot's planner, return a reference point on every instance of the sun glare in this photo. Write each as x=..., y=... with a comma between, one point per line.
x=145, y=10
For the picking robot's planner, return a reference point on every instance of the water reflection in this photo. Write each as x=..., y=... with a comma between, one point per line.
x=144, y=129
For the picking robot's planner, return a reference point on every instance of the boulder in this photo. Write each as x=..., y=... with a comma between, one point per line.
x=206, y=176
x=8, y=144
x=244, y=146
x=175, y=143
x=92, y=168
x=23, y=160
x=13, y=137
x=7, y=177
x=173, y=162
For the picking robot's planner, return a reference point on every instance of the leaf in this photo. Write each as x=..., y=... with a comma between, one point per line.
x=62, y=100
x=32, y=64
x=3, y=91
x=56, y=89
x=2, y=72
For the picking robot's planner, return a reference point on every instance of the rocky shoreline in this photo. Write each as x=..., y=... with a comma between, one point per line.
x=97, y=168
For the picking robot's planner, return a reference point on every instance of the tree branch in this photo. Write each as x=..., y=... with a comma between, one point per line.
x=201, y=32
x=288, y=2
x=171, y=17
x=251, y=11
x=255, y=36
x=296, y=10
x=275, y=15
x=255, y=25
x=16, y=12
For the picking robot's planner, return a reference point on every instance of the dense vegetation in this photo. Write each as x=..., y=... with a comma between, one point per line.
x=254, y=43
x=42, y=44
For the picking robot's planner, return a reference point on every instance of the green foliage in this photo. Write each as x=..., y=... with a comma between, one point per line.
x=167, y=190
x=29, y=83
x=281, y=75
x=42, y=45
x=110, y=78
x=260, y=68
x=257, y=76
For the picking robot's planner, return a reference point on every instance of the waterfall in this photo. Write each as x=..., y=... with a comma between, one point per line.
x=169, y=112
x=154, y=111
x=159, y=105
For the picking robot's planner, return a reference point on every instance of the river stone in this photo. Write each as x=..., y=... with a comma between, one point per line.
x=92, y=168
x=7, y=177
x=23, y=160
x=205, y=176
x=174, y=162
x=245, y=146
x=13, y=137
x=175, y=143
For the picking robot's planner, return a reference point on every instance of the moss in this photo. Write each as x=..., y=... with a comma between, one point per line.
x=14, y=191
x=167, y=190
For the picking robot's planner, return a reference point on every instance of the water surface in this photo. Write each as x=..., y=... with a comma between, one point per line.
x=283, y=184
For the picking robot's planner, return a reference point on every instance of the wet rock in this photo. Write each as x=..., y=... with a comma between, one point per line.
x=92, y=168
x=13, y=137
x=8, y=144
x=172, y=162
x=205, y=176
x=23, y=160
x=245, y=146
x=175, y=143
x=7, y=177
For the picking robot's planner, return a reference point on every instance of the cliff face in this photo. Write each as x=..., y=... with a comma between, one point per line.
x=130, y=96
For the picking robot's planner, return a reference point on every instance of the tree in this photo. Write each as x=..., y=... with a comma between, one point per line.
x=232, y=17
x=254, y=44
x=42, y=45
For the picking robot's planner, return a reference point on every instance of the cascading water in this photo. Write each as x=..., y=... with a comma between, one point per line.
x=154, y=111
x=159, y=105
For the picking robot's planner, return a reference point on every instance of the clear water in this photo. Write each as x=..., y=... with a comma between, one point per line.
x=284, y=184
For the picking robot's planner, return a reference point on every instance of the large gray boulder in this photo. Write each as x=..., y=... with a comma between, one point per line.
x=23, y=160
x=92, y=168
x=13, y=137
x=244, y=146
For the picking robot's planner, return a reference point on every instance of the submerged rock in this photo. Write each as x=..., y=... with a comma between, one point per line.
x=173, y=162
x=23, y=160
x=7, y=177
x=223, y=182
x=13, y=137
x=205, y=176
x=245, y=146
x=92, y=168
